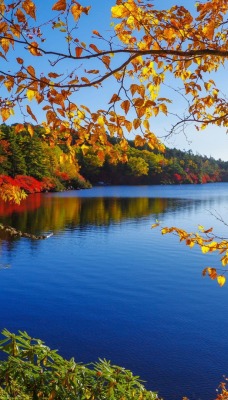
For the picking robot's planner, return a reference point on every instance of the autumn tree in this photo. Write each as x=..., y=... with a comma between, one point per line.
x=147, y=48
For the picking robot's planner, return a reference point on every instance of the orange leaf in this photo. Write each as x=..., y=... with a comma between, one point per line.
x=5, y=44
x=60, y=5
x=106, y=60
x=78, y=51
x=19, y=60
x=84, y=79
x=136, y=123
x=3, y=27
x=76, y=10
x=212, y=273
x=20, y=15
x=125, y=105
x=114, y=98
x=16, y=30
x=96, y=33
x=94, y=48
x=19, y=128
x=53, y=75
x=33, y=48
x=31, y=113
x=61, y=112
x=139, y=141
x=128, y=125
x=29, y=8
x=31, y=70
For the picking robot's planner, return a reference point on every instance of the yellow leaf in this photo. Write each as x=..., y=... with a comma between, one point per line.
x=84, y=149
x=155, y=111
x=163, y=108
x=5, y=113
x=146, y=124
x=30, y=94
x=76, y=11
x=9, y=84
x=205, y=249
x=100, y=120
x=165, y=230
x=30, y=130
x=221, y=280
x=119, y=11
x=224, y=260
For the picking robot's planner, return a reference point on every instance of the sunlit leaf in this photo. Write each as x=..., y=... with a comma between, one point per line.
x=221, y=280
x=59, y=5
x=29, y=8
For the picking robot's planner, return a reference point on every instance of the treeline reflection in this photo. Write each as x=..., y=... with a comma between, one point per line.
x=39, y=213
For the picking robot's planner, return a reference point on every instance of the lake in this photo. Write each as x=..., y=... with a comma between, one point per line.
x=107, y=285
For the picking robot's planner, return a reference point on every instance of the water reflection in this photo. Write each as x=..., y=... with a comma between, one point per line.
x=39, y=214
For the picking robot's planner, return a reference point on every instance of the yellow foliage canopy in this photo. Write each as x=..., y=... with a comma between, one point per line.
x=149, y=45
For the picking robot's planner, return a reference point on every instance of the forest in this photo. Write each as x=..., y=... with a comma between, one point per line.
x=33, y=164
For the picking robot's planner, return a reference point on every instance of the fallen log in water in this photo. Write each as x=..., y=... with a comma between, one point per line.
x=16, y=233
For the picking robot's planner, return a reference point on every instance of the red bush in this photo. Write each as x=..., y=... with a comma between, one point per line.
x=28, y=183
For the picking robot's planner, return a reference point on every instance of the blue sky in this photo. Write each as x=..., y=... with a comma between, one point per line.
x=211, y=142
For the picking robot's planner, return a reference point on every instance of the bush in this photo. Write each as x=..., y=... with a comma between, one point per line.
x=33, y=371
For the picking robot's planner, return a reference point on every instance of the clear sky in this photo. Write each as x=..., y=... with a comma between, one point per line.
x=211, y=142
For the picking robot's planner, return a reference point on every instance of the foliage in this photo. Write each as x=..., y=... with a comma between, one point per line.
x=33, y=371
x=208, y=242
x=45, y=167
x=148, y=167
x=147, y=46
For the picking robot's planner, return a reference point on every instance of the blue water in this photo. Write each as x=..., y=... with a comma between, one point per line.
x=106, y=285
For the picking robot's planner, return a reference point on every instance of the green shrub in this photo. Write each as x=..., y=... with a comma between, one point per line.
x=33, y=371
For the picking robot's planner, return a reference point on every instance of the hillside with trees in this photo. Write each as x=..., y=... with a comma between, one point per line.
x=33, y=164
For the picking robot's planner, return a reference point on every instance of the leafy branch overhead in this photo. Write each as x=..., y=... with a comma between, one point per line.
x=147, y=47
